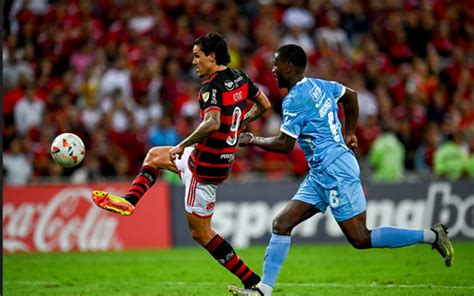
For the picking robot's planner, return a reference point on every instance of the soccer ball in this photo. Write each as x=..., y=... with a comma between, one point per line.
x=68, y=150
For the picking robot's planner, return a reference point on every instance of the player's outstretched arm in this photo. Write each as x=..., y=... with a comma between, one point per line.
x=208, y=125
x=278, y=144
x=262, y=104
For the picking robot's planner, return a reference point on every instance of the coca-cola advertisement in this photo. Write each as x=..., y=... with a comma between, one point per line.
x=64, y=218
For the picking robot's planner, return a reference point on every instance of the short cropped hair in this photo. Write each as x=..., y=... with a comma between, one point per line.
x=293, y=54
x=214, y=42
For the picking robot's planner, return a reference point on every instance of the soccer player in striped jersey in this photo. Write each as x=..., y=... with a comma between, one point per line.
x=204, y=159
x=310, y=117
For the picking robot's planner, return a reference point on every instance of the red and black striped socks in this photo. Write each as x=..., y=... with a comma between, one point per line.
x=223, y=252
x=144, y=180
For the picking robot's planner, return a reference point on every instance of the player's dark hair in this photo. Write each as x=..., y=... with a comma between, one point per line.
x=294, y=54
x=214, y=42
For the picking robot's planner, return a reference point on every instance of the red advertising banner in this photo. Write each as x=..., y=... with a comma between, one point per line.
x=63, y=218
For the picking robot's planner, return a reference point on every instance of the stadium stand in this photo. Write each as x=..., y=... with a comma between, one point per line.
x=118, y=74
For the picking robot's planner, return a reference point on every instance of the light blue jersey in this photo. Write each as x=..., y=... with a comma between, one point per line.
x=310, y=115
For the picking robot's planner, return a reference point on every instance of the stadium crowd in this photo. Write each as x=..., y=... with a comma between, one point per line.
x=118, y=73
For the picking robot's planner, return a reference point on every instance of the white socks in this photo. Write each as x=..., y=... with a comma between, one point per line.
x=266, y=289
x=429, y=236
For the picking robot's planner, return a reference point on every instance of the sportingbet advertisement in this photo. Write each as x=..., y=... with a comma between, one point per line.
x=63, y=218
x=244, y=212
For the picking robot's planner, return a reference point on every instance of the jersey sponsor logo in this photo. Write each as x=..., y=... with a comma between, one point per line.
x=325, y=108
x=288, y=113
x=237, y=96
x=205, y=96
x=228, y=156
x=229, y=85
x=214, y=97
x=316, y=95
x=240, y=78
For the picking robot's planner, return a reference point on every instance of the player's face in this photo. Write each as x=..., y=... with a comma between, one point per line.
x=279, y=71
x=201, y=62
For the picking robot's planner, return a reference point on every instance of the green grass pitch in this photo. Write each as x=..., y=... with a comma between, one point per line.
x=309, y=270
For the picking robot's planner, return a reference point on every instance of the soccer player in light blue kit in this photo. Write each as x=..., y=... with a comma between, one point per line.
x=310, y=116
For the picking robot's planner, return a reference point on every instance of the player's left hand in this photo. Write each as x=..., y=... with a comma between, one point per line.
x=244, y=139
x=351, y=141
x=176, y=151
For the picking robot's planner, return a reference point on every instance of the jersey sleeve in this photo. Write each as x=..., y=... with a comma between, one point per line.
x=293, y=117
x=337, y=89
x=210, y=98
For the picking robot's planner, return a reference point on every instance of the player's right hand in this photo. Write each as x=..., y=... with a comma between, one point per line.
x=176, y=151
x=351, y=141
x=245, y=139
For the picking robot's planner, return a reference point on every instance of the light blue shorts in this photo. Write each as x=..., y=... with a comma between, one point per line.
x=338, y=186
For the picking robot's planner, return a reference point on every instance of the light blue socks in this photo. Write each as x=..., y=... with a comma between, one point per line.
x=395, y=237
x=275, y=255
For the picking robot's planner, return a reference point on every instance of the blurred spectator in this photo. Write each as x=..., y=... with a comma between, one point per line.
x=16, y=165
x=367, y=132
x=117, y=77
x=28, y=111
x=469, y=135
x=108, y=102
x=470, y=166
x=173, y=85
x=367, y=100
x=386, y=157
x=420, y=28
x=40, y=153
x=147, y=113
x=81, y=60
x=437, y=106
x=425, y=152
x=91, y=114
x=450, y=159
x=354, y=20
x=14, y=68
x=411, y=118
x=156, y=82
x=333, y=35
x=164, y=134
x=298, y=21
x=142, y=20
x=89, y=171
x=119, y=115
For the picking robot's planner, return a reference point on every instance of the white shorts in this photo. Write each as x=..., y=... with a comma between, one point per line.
x=199, y=198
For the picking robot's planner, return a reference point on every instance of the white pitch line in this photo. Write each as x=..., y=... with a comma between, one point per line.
x=372, y=285
x=335, y=285
x=32, y=283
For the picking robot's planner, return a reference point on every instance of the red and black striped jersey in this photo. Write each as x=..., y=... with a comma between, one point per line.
x=227, y=91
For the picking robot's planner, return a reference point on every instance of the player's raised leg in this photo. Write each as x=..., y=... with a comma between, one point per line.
x=360, y=237
x=157, y=158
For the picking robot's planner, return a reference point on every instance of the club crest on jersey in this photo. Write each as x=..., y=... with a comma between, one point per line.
x=205, y=96
x=229, y=85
